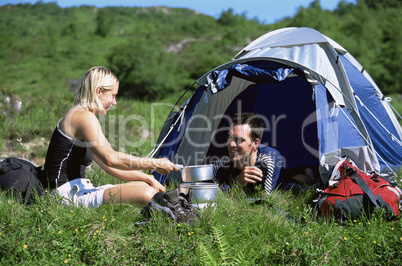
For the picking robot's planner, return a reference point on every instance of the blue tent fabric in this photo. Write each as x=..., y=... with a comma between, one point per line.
x=257, y=72
x=389, y=150
x=172, y=142
x=336, y=127
x=286, y=106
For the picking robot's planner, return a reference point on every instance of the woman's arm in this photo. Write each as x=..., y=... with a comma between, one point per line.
x=131, y=175
x=85, y=126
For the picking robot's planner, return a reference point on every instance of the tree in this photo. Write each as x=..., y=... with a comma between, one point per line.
x=144, y=69
x=377, y=4
x=228, y=18
x=103, y=23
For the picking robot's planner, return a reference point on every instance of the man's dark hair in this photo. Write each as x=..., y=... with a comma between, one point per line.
x=251, y=119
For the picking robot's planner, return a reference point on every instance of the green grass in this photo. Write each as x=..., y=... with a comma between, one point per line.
x=232, y=233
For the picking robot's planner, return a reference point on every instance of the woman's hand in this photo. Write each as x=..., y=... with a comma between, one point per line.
x=164, y=166
x=156, y=185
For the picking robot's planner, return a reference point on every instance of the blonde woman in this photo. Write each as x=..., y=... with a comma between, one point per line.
x=78, y=139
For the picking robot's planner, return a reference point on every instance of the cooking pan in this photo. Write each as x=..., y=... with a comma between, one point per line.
x=202, y=193
x=196, y=173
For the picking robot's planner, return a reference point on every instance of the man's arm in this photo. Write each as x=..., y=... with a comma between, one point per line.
x=273, y=165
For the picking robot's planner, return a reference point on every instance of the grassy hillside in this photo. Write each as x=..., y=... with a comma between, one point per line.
x=157, y=53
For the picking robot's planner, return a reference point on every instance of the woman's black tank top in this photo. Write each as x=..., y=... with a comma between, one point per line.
x=66, y=159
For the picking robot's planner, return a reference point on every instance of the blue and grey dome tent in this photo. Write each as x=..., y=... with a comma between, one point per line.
x=316, y=101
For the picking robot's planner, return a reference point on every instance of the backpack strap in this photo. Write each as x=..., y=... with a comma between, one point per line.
x=366, y=189
x=388, y=177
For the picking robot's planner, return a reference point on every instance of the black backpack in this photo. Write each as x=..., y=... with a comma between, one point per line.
x=20, y=178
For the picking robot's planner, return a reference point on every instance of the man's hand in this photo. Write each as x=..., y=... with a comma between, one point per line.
x=250, y=174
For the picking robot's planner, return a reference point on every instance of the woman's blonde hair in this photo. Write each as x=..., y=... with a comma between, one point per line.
x=94, y=78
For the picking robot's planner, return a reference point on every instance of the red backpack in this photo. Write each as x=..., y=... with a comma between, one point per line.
x=352, y=193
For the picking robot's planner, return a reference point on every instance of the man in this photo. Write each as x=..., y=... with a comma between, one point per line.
x=249, y=163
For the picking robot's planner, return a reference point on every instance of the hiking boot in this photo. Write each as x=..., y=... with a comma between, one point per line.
x=173, y=205
x=187, y=202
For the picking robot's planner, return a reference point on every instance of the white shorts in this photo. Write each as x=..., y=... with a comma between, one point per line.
x=81, y=193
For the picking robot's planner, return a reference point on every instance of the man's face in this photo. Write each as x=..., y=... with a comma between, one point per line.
x=240, y=144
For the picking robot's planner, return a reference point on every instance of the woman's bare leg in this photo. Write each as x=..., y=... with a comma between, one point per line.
x=136, y=192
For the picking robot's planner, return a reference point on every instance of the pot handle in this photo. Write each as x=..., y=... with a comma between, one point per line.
x=180, y=166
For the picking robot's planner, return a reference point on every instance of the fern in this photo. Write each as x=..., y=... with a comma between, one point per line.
x=240, y=260
x=205, y=257
x=224, y=257
x=221, y=244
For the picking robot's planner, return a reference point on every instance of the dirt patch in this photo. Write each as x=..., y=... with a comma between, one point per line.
x=28, y=150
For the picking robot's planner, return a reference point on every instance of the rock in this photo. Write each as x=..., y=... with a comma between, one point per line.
x=9, y=100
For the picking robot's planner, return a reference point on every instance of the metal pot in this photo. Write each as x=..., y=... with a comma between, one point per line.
x=202, y=193
x=196, y=173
